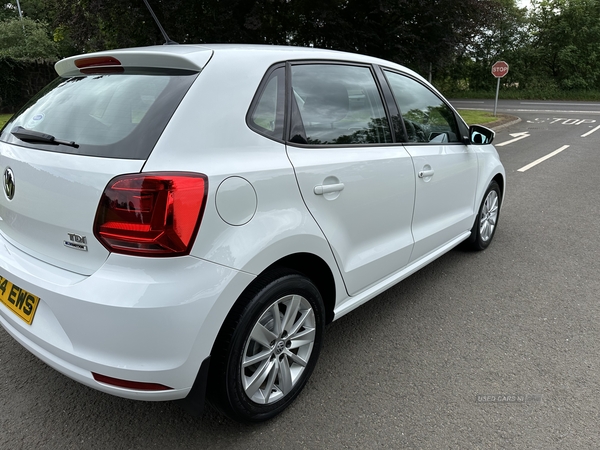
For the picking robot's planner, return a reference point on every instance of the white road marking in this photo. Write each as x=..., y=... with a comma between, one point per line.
x=517, y=136
x=591, y=131
x=554, y=120
x=552, y=111
x=543, y=158
x=559, y=104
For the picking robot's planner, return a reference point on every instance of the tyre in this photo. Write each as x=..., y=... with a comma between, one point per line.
x=267, y=348
x=486, y=221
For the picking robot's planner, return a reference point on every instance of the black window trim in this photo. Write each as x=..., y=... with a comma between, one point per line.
x=258, y=95
x=399, y=136
x=391, y=107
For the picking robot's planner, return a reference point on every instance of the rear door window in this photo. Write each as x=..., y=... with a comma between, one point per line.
x=118, y=115
x=337, y=104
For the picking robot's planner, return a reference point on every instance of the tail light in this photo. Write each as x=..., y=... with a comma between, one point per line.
x=152, y=214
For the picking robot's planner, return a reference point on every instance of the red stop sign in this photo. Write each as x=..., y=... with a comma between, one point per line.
x=499, y=69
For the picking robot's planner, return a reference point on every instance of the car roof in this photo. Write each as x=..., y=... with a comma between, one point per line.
x=195, y=56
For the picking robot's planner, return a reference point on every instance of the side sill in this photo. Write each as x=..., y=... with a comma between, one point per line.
x=377, y=288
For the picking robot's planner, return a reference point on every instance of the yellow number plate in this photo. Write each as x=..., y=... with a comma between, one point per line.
x=18, y=300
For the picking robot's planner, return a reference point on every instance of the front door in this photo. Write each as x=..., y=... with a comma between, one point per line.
x=445, y=168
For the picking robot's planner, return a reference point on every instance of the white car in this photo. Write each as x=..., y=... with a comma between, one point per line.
x=183, y=221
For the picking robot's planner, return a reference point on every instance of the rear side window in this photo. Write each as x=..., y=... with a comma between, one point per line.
x=426, y=117
x=119, y=115
x=337, y=104
x=267, y=113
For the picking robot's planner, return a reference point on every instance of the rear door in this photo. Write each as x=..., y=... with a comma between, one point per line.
x=358, y=186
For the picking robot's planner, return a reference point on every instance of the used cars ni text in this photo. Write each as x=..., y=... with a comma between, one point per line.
x=183, y=221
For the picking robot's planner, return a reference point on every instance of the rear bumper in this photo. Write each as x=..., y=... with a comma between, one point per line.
x=147, y=320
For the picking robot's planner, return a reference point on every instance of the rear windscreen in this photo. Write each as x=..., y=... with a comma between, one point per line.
x=116, y=116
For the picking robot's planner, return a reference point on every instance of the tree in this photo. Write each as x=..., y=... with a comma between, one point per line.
x=501, y=37
x=34, y=9
x=26, y=38
x=414, y=32
x=565, y=36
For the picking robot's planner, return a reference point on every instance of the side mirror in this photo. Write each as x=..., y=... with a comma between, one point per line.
x=481, y=135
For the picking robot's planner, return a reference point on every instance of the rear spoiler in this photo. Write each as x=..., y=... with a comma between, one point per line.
x=186, y=58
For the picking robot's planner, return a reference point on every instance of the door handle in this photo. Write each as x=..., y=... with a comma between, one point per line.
x=328, y=188
x=426, y=173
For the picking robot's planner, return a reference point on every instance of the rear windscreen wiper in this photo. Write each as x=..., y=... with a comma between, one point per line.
x=35, y=136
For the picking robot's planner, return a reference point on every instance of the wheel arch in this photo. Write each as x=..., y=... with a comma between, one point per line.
x=315, y=269
x=308, y=264
x=499, y=178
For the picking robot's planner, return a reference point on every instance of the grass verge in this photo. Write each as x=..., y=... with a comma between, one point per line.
x=4, y=118
x=477, y=117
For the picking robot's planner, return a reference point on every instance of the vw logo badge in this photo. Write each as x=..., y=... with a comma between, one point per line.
x=9, y=183
x=279, y=347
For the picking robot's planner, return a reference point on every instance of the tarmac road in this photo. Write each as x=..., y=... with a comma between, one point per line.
x=529, y=106
x=498, y=349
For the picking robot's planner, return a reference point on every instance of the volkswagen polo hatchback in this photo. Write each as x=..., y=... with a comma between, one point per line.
x=182, y=221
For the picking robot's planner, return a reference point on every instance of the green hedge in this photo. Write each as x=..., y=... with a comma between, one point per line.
x=526, y=94
x=20, y=79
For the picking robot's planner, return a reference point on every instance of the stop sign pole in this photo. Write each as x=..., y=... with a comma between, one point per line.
x=499, y=70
